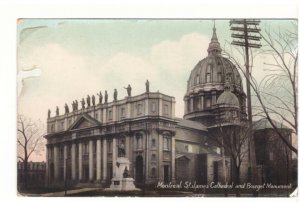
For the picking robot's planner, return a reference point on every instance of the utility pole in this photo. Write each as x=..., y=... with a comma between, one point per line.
x=246, y=34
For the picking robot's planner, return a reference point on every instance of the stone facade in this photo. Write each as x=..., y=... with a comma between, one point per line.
x=82, y=145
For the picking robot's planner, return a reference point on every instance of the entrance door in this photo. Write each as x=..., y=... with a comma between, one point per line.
x=139, y=170
x=85, y=173
x=166, y=174
x=216, y=170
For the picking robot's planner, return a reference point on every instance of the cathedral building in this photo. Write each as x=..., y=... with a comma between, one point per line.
x=83, y=145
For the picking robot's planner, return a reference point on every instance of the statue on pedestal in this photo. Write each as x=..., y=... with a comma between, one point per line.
x=82, y=103
x=73, y=106
x=115, y=95
x=100, y=97
x=88, y=100
x=76, y=104
x=66, y=109
x=128, y=90
x=126, y=173
x=105, y=97
x=93, y=100
x=49, y=113
x=57, y=111
x=147, y=86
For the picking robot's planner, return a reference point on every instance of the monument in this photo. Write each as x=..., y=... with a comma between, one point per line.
x=122, y=181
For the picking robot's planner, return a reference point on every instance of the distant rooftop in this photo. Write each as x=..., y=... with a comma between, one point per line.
x=265, y=124
x=191, y=124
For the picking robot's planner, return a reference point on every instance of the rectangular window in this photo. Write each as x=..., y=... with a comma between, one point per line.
x=110, y=114
x=153, y=157
x=153, y=107
x=70, y=122
x=208, y=103
x=123, y=112
x=139, y=108
x=166, y=143
x=62, y=125
x=166, y=109
x=96, y=116
x=153, y=143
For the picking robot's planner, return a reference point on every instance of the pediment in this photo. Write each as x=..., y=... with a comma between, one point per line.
x=84, y=121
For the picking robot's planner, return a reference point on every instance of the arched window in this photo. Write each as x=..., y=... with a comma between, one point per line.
x=139, y=144
x=197, y=79
x=208, y=78
x=219, y=77
x=208, y=73
x=166, y=143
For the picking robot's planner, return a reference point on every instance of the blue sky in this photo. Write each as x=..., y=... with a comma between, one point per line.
x=77, y=57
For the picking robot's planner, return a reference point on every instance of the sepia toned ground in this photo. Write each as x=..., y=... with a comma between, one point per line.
x=98, y=192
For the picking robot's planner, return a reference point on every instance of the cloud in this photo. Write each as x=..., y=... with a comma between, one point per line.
x=182, y=54
x=67, y=76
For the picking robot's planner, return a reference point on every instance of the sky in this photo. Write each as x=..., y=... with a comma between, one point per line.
x=60, y=60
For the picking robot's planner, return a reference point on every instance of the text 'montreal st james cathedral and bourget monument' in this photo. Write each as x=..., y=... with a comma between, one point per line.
x=139, y=138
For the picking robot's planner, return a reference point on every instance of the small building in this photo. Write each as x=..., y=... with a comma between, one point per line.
x=36, y=174
x=273, y=157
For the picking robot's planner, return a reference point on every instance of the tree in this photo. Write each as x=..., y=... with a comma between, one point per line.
x=231, y=135
x=276, y=93
x=29, y=140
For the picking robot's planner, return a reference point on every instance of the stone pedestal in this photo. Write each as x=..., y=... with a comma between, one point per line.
x=119, y=182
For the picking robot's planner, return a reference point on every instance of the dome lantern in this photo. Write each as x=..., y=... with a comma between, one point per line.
x=214, y=45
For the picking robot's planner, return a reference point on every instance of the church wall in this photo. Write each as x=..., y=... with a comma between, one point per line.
x=151, y=104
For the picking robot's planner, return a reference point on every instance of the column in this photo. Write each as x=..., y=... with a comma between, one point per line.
x=104, y=159
x=47, y=165
x=147, y=141
x=114, y=156
x=98, y=160
x=173, y=159
x=160, y=157
x=80, y=161
x=73, y=157
x=202, y=102
x=65, y=163
x=91, y=166
x=192, y=104
x=56, y=166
